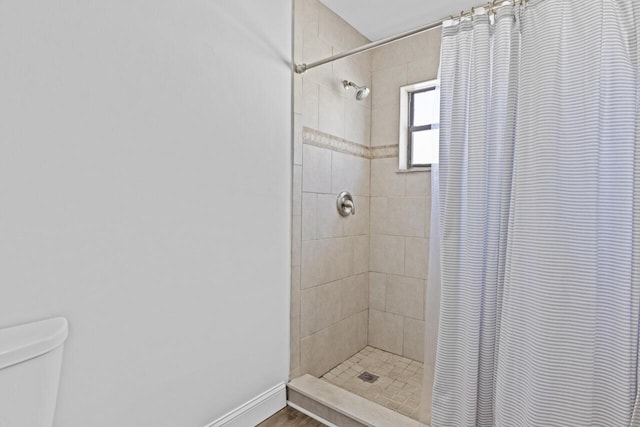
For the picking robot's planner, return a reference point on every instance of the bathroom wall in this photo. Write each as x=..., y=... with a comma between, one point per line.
x=400, y=203
x=145, y=186
x=330, y=254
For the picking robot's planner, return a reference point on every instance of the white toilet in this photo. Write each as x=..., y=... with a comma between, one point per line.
x=30, y=362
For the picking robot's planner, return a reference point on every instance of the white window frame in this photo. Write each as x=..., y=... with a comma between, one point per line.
x=403, y=149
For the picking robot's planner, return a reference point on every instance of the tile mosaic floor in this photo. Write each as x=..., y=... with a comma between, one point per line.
x=398, y=387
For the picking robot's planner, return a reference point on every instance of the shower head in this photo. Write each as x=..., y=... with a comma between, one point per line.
x=361, y=91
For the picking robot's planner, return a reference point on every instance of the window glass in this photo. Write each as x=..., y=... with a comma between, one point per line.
x=426, y=108
x=419, y=124
x=424, y=147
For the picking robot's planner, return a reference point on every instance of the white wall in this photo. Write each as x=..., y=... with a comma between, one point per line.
x=145, y=195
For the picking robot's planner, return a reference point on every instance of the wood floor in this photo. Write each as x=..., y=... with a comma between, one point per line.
x=289, y=417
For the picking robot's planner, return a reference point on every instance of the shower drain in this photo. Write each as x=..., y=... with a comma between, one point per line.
x=368, y=377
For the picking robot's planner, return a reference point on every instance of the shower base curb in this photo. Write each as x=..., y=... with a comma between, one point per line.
x=342, y=407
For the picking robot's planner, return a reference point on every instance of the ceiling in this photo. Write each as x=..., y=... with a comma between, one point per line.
x=377, y=19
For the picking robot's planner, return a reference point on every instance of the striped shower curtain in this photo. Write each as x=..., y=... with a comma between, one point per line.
x=539, y=216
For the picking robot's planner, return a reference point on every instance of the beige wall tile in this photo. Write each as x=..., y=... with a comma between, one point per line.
x=387, y=254
x=378, y=215
x=418, y=184
x=406, y=216
x=377, y=291
x=357, y=121
x=427, y=216
x=296, y=198
x=327, y=254
x=413, y=343
x=385, y=125
x=385, y=181
x=342, y=258
x=317, y=259
x=350, y=173
x=316, y=353
x=331, y=111
x=297, y=139
x=332, y=28
x=340, y=347
x=294, y=348
x=354, y=39
x=309, y=215
x=355, y=294
x=357, y=224
x=326, y=260
x=353, y=333
x=386, y=331
x=401, y=52
x=416, y=257
x=356, y=69
x=316, y=174
x=361, y=254
x=340, y=351
x=314, y=49
x=307, y=312
x=328, y=304
x=295, y=291
x=405, y=296
x=329, y=222
x=387, y=83
x=310, y=16
x=309, y=266
x=386, y=57
x=298, y=20
x=420, y=71
x=413, y=47
x=296, y=238
x=310, y=103
x=298, y=99
x=362, y=329
x=434, y=39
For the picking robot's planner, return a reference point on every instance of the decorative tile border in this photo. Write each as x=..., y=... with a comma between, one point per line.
x=325, y=140
x=341, y=145
x=384, y=152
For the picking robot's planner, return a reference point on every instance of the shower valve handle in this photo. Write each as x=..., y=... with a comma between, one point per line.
x=345, y=204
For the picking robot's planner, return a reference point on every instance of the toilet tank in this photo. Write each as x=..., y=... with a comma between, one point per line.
x=30, y=362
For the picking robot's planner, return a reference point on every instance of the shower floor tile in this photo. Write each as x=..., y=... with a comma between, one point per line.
x=398, y=387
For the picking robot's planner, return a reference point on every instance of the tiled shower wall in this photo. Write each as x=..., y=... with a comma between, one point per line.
x=330, y=259
x=400, y=204
x=357, y=280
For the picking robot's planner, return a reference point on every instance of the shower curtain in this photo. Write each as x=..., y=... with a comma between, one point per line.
x=539, y=217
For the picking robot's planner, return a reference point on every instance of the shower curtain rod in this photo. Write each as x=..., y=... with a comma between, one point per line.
x=301, y=68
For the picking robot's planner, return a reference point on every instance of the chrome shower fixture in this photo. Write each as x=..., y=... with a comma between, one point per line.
x=361, y=91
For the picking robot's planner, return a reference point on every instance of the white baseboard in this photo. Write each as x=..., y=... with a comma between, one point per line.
x=256, y=410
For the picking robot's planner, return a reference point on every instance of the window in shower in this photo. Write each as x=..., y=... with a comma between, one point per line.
x=419, y=125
